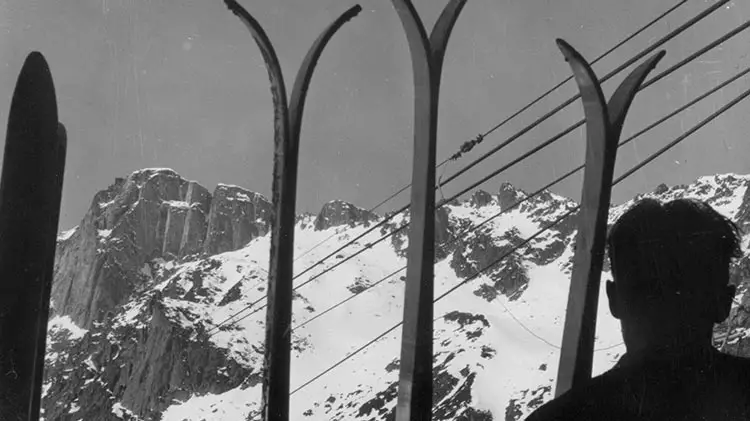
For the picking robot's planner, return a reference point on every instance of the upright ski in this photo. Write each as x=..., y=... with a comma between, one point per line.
x=287, y=124
x=603, y=127
x=30, y=195
x=415, y=376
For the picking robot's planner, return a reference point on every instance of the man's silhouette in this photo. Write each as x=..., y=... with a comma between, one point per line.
x=670, y=264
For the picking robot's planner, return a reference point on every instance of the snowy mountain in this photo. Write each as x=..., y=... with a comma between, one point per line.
x=158, y=264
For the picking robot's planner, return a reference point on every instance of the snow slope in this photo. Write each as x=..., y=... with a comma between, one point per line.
x=497, y=337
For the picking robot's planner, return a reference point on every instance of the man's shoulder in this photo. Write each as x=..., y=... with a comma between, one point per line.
x=602, y=396
x=738, y=367
x=739, y=362
x=575, y=404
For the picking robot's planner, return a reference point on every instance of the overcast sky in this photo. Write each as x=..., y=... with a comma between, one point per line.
x=180, y=84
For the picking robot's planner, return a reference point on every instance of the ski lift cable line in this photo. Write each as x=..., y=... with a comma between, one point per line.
x=523, y=109
x=655, y=155
x=539, y=191
x=570, y=129
x=542, y=189
x=602, y=80
x=534, y=150
x=550, y=91
x=526, y=155
x=536, y=123
x=495, y=173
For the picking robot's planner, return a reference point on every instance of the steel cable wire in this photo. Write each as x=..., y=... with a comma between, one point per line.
x=524, y=156
x=520, y=111
x=538, y=121
x=638, y=166
x=539, y=191
x=632, y=60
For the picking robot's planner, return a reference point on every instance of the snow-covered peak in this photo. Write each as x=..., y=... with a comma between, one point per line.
x=186, y=341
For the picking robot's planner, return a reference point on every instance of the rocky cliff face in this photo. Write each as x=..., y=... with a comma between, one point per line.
x=146, y=285
x=152, y=214
x=236, y=217
x=337, y=212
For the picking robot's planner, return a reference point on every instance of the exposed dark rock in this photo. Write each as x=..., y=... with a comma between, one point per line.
x=154, y=213
x=509, y=195
x=360, y=284
x=459, y=399
x=463, y=318
x=337, y=212
x=378, y=403
x=526, y=401
x=174, y=227
x=444, y=234
x=661, y=189
x=232, y=295
x=481, y=198
x=743, y=214
x=196, y=220
x=99, y=267
x=549, y=253
x=154, y=364
x=236, y=217
x=472, y=414
x=393, y=365
x=498, y=260
x=488, y=352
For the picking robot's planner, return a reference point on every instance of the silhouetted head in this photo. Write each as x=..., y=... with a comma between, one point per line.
x=670, y=264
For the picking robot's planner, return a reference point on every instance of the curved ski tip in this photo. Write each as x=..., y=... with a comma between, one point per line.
x=350, y=13
x=36, y=55
x=35, y=62
x=354, y=10
x=561, y=44
x=658, y=56
x=34, y=95
x=233, y=6
x=568, y=51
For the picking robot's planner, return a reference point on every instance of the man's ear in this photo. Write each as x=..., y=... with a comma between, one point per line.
x=614, y=302
x=724, y=302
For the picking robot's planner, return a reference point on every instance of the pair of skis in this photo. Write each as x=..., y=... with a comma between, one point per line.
x=287, y=126
x=604, y=122
x=30, y=195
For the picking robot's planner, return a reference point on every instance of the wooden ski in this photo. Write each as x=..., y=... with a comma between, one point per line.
x=30, y=195
x=287, y=124
x=415, y=375
x=604, y=124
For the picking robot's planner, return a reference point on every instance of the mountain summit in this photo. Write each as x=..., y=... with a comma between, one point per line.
x=150, y=302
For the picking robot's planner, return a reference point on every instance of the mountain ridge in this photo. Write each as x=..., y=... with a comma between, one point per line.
x=155, y=347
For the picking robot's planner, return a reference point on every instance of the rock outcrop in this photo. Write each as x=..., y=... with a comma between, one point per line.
x=481, y=198
x=509, y=195
x=141, y=298
x=157, y=363
x=337, y=212
x=154, y=213
x=196, y=219
x=236, y=217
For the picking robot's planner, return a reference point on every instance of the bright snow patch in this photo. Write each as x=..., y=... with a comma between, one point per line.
x=120, y=412
x=67, y=234
x=65, y=322
x=232, y=405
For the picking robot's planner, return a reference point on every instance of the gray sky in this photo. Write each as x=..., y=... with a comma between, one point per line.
x=180, y=84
